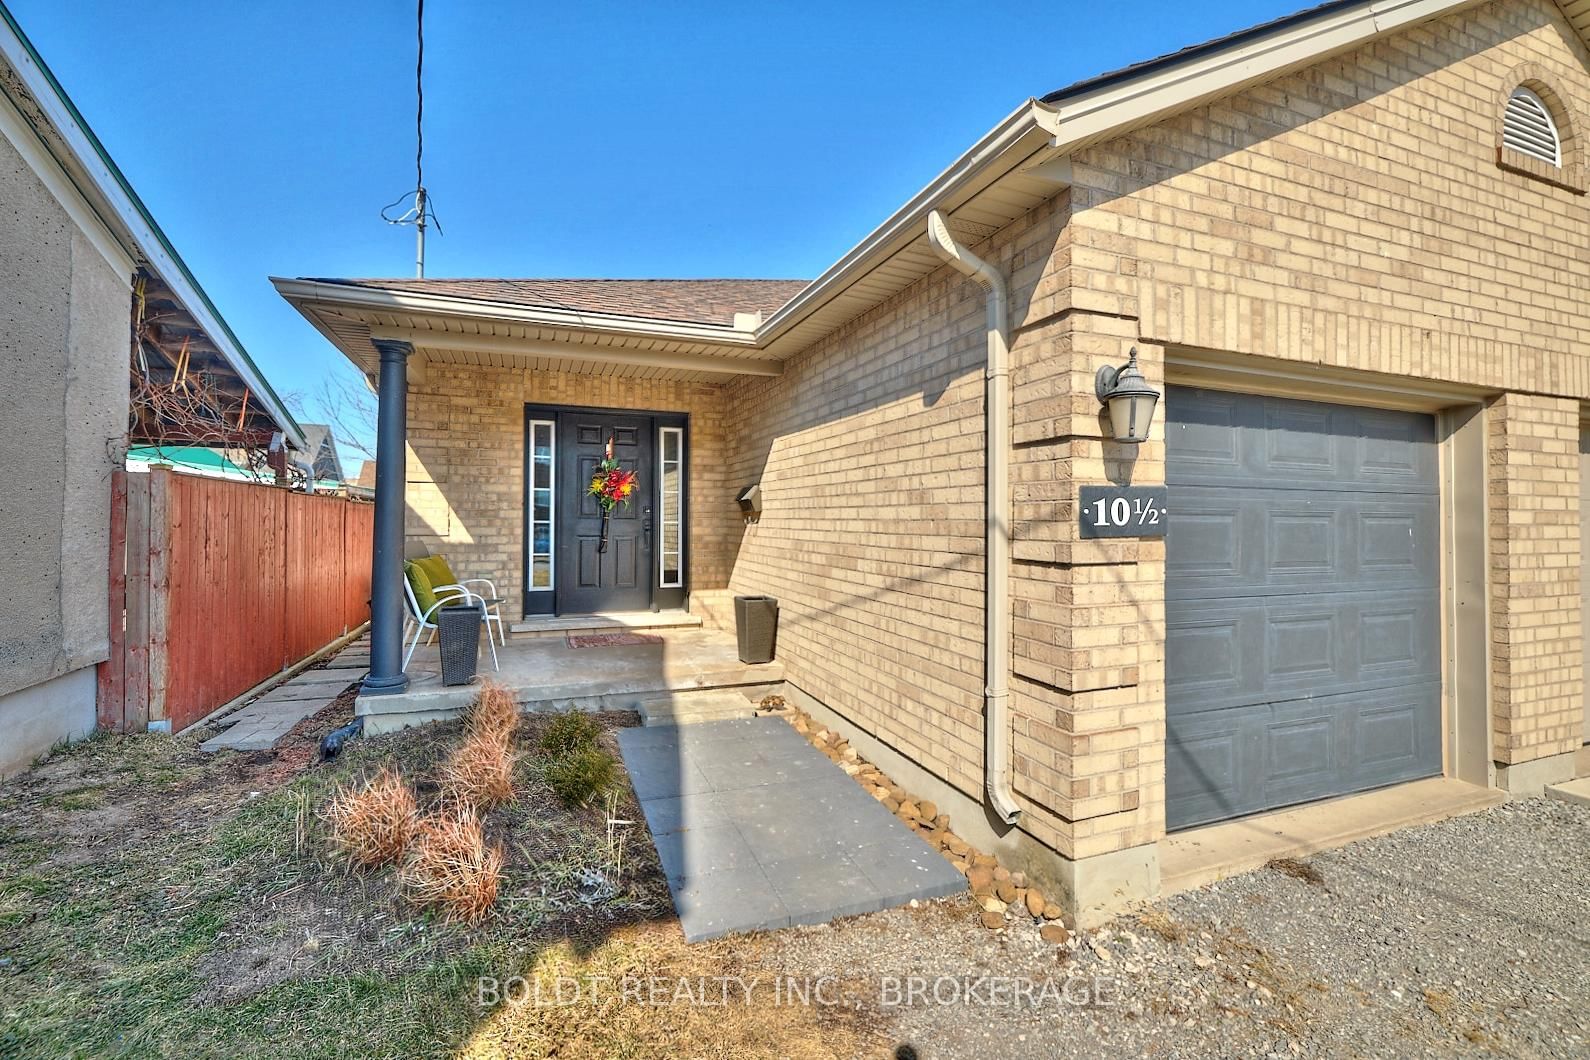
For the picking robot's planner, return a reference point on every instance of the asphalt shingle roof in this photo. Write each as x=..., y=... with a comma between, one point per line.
x=685, y=301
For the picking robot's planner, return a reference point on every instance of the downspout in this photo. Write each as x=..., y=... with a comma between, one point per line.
x=996, y=545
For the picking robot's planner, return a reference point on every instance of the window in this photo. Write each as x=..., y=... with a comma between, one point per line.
x=539, y=504
x=1527, y=127
x=670, y=506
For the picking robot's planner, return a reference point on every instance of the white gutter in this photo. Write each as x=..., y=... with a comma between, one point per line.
x=1002, y=149
x=996, y=575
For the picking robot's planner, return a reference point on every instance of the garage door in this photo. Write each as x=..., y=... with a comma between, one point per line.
x=1302, y=628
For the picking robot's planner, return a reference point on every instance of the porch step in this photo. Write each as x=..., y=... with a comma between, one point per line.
x=613, y=622
x=684, y=708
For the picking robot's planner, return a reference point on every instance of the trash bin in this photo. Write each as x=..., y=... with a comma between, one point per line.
x=459, y=629
x=756, y=625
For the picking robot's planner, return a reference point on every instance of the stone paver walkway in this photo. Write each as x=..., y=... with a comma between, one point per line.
x=257, y=726
x=757, y=830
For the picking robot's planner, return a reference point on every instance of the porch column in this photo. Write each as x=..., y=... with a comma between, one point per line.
x=386, y=564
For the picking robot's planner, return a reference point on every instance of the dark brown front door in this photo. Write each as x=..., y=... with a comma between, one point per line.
x=619, y=577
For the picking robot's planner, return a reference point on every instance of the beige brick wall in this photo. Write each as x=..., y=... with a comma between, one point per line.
x=1537, y=697
x=869, y=449
x=1350, y=215
x=466, y=464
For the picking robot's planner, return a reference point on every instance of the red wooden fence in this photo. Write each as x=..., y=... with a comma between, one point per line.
x=217, y=585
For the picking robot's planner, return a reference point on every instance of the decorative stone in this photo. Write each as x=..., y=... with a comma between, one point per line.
x=981, y=879
x=1019, y=879
x=960, y=866
x=991, y=904
x=1052, y=911
x=985, y=859
x=1001, y=873
x=992, y=921
x=1055, y=933
x=889, y=804
x=943, y=821
x=929, y=810
x=956, y=844
x=1035, y=902
x=909, y=809
x=1005, y=889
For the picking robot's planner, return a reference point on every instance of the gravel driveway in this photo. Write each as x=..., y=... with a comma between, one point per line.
x=1468, y=937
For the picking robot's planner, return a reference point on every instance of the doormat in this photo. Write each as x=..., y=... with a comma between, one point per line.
x=610, y=640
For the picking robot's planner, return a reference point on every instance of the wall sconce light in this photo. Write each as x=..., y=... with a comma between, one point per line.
x=1128, y=398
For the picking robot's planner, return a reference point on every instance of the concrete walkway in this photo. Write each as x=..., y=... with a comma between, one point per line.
x=757, y=830
x=257, y=726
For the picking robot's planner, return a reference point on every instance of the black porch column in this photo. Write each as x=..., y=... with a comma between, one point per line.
x=386, y=564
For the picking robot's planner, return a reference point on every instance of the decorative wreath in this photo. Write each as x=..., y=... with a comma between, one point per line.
x=611, y=486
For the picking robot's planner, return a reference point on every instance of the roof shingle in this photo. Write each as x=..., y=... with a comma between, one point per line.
x=684, y=301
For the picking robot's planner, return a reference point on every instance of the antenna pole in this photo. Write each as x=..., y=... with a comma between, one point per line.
x=419, y=140
x=419, y=229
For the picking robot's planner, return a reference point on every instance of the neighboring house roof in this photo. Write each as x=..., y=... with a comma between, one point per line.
x=1019, y=164
x=321, y=446
x=170, y=288
x=188, y=457
x=687, y=301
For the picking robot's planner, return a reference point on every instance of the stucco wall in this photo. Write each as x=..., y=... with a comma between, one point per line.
x=466, y=465
x=64, y=340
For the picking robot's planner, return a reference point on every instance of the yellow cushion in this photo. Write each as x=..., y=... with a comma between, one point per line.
x=420, y=582
x=438, y=573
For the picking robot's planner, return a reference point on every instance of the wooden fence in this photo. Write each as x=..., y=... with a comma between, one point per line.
x=216, y=585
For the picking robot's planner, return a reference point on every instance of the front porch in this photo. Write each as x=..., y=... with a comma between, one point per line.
x=662, y=671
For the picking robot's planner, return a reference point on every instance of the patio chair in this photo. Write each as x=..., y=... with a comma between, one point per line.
x=445, y=582
x=424, y=601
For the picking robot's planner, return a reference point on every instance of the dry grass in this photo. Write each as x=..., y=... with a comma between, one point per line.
x=450, y=867
x=1160, y=923
x=1298, y=870
x=479, y=775
x=494, y=715
x=599, y=1025
x=375, y=824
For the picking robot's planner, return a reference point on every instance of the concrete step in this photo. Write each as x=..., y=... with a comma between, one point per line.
x=684, y=708
x=611, y=622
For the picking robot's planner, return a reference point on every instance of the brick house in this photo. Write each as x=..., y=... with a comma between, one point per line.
x=1351, y=247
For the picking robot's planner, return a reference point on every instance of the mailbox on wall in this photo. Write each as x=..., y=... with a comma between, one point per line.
x=750, y=500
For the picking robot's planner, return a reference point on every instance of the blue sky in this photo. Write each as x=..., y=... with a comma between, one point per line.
x=586, y=139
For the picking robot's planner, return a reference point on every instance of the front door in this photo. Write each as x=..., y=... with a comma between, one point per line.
x=573, y=563
x=616, y=577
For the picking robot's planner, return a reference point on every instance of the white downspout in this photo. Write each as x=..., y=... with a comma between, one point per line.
x=996, y=579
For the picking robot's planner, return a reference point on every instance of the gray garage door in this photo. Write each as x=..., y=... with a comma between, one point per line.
x=1302, y=632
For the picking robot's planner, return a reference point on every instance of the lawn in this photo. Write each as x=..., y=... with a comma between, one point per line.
x=157, y=901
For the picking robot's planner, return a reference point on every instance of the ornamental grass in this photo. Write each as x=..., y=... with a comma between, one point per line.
x=479, y=775
x=375, y=824
x=494, y=714
x=449, y=867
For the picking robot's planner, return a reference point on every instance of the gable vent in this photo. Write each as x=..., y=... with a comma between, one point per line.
x=1528, y=129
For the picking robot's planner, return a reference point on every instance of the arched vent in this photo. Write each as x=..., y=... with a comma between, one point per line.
x=1528, y=129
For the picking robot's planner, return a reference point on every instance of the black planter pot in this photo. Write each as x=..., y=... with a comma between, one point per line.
x=459, y=630
x=756, y=627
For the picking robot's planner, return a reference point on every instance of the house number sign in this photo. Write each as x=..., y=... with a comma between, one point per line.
x=1122, y=511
